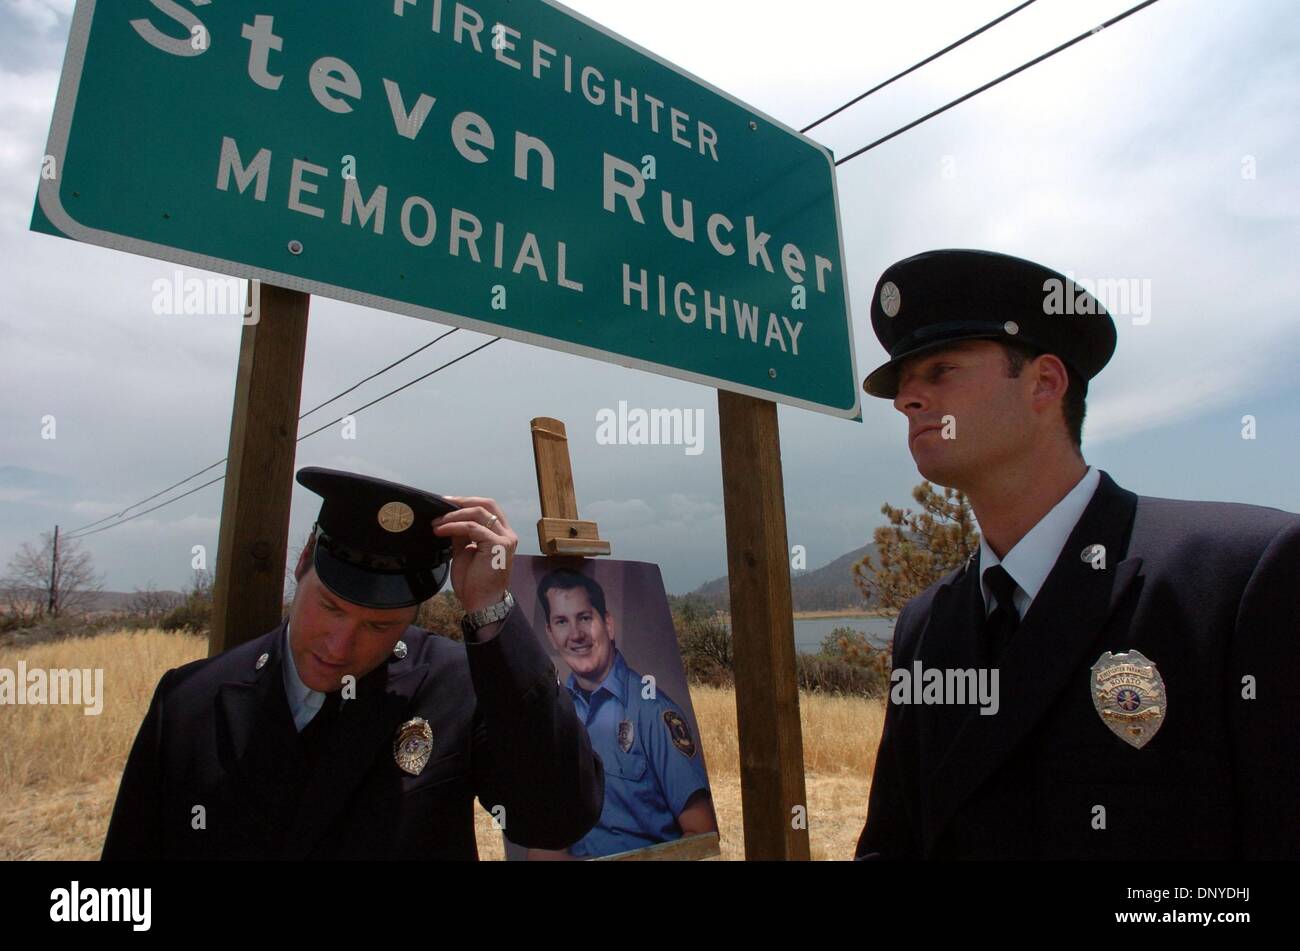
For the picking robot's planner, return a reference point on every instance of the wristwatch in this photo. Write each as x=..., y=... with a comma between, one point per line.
x=473, y=621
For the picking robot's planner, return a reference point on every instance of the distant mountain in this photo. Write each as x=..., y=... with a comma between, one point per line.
x=102, y=602
x=122, y=600
x=829, y=588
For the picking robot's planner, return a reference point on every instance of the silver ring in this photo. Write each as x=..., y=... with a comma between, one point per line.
x=490, y=522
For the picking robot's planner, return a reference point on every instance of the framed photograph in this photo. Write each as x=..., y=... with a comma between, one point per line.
x=609, y=631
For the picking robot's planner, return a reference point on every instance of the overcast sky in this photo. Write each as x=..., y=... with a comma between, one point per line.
x=1121, y=158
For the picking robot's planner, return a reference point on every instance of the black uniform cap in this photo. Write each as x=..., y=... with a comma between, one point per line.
x=935, y=298
x=374, y=544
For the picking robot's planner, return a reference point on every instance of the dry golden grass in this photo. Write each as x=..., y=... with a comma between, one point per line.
x=59, y=768
x=840, y=737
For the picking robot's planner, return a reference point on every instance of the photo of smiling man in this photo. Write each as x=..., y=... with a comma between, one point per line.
x=656, y=788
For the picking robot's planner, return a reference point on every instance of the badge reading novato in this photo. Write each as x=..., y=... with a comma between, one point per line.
x=1129, y=695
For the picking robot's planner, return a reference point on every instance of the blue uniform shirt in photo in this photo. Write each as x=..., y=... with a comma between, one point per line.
x=653, y=765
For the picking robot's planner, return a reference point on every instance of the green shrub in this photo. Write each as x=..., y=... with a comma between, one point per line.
x=705, y=646
x=193, y=615
x=819, y=672
x=848, y=662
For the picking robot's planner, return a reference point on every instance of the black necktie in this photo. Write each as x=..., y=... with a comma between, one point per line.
x=1002, y=623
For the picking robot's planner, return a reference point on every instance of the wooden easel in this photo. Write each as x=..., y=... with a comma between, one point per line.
x=559, y=530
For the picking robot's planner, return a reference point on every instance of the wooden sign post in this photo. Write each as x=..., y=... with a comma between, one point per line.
x=248, y=593
x=773, y=796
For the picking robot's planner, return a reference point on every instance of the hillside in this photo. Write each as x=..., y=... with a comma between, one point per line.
x=828, y=588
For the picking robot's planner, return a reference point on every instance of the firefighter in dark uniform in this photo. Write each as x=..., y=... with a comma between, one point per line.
x=1146, y=648
x=346, y=733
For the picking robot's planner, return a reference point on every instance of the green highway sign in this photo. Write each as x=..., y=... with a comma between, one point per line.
x=506, y=166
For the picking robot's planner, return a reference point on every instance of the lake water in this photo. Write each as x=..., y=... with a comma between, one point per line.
x=808, y=632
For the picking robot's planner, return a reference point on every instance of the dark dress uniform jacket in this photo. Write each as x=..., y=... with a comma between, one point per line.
x=219, y=735
x=1210, y=593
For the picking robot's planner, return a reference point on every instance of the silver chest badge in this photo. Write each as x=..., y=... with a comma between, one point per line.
x=625, y=735
x=413, y=745
x=1129, y=695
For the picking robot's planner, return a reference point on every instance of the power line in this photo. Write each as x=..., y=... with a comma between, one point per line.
x=82, y=532
x=400, y=388
x=96, y=531
x=991, y=84
x=378, y=373
x=75, y=533
x=929, y=59
x=196, y=474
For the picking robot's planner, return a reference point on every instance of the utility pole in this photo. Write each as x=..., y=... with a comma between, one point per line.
x=54, y=576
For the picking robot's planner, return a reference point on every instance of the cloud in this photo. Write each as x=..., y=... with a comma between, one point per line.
x=620, y=513
x=21, y=484
x=26, y=102
x=41, y=15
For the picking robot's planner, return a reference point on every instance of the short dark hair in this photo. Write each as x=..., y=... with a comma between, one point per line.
x=1073, y=404
x=566, y=580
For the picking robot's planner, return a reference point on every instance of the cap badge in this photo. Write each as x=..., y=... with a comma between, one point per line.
x=396, y=517
x=1129, y=695
x=413, y=745
x=890, y=299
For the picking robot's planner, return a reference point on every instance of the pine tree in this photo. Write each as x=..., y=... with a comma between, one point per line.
x=916, y=549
